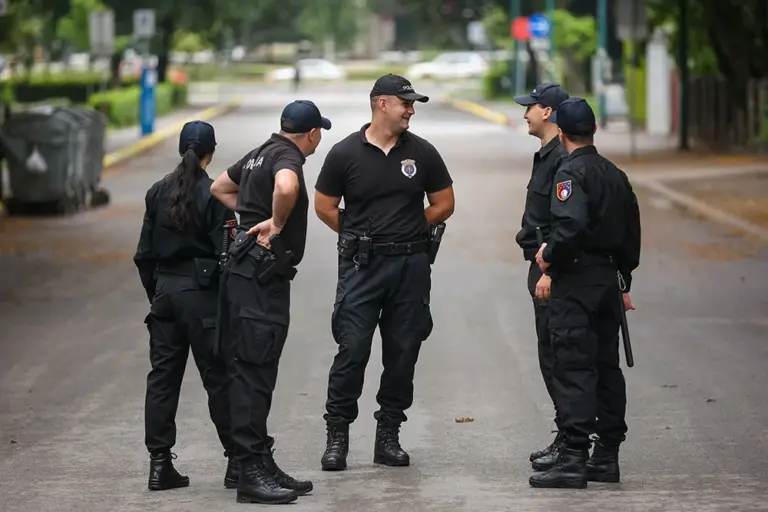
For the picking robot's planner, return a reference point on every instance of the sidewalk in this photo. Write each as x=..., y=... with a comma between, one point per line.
x=728, y=189
x=124, y=137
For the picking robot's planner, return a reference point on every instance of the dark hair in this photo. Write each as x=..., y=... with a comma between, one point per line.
x=182, y=182
x=581, y=139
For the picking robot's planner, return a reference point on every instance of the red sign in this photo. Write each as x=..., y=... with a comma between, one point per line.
x=520, y=28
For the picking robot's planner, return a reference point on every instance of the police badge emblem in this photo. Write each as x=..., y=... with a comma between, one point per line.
x=232, y=225
x=408, y=167
x=563, y=190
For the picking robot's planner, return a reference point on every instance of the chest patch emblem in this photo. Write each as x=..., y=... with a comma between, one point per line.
x=408, y=167
x=563, y=190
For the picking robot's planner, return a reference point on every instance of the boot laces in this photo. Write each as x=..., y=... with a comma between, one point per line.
x=261, y=471
x=389, y=438
x=278, y=472
x=335, y=440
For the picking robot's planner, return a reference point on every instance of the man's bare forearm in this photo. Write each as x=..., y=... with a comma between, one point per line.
x=283, y=200
x=437, y=213
x=330, y=218
x=228, y=199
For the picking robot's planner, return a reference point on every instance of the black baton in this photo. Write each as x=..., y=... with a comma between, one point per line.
x=539, y=237
x=220, y=299
x=624, y=326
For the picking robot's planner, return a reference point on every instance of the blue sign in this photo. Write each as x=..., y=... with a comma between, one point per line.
x=147, y=104
x=539, y=25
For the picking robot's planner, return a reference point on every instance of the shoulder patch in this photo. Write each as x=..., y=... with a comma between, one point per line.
x=563, y=190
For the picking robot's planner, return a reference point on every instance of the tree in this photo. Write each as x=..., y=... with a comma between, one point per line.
x=73, y=28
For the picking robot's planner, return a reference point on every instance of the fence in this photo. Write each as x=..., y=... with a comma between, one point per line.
x=722, y=117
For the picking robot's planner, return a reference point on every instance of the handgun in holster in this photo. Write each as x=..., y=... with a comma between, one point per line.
x=223, y=258
x=435, y=237
x=277, y=262
x=346, y=244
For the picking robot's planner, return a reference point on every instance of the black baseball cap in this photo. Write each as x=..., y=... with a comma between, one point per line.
x=575, y=117
x=302, y=116
x=395, y=85
x=546, y=94
x=198, y=136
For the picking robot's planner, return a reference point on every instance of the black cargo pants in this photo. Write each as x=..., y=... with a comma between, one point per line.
x=182, y=316
x=255, y=318
x=392, y=292
x=584, y=326
x=546, y=356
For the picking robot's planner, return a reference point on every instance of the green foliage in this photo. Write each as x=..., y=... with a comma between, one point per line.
x=496, y=24
x=635, y=85
x=75, y=88
x=574, y=35
x=702, y=58
x=73, y=28
x=189, y=42
x=121, y=106
x=339, y=20
x=493, y=81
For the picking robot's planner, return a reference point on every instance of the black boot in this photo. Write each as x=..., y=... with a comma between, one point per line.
x=569, y=472
x=546, y=451
x=286, y=481
x=387, y=449
x=603, y=465
x=548, y=461
x=257, y=485
x=232, y=476
x=162, y=474
x=336, y=449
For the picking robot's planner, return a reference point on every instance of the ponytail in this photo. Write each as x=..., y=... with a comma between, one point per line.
x=182, y=182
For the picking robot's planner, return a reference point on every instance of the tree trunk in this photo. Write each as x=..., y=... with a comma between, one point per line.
x=167, y=27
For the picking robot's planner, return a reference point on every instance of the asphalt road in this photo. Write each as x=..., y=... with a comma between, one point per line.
x=75, y=357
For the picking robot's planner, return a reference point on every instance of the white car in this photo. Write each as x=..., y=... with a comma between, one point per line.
x=450, y=65
x=310, y=69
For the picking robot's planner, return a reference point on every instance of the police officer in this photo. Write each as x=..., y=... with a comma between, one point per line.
x=540, y=105
x=181, y=238
x=593, y=248
x=382, y=172
x=267, y=189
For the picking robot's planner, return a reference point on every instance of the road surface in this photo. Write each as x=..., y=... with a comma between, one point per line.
x=75, y=354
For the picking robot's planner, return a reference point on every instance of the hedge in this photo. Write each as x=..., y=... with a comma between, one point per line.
x=121, y=106
x=75, y=88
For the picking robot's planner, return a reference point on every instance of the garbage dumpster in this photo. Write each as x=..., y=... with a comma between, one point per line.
x=45, y=148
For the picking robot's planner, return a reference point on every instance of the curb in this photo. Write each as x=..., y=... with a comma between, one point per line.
x=702, y=209
x=477, y=110
x=122, y=154
x=681, y=200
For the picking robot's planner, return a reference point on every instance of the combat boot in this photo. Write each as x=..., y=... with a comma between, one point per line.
x=548, y=460
x=569, y=472
x=387, y=449
x=162, y=474
x=232, y=476
x=603, y=465
x=546, y=451
x=258, y=485
x=286, y=481
x=336, y=448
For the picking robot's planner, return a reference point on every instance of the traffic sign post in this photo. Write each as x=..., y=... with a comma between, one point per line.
x=144, y=30
x=101, y=32
x=147, y=103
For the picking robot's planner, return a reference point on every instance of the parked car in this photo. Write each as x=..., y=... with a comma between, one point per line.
x=450, y=65
x=310, y=69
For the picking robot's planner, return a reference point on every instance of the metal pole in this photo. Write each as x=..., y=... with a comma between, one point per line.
x=683, y=73
x=632, y=83
x=602, y=20
x=550, y=15
x=514, y=70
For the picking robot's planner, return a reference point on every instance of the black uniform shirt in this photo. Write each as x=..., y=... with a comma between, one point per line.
x=594, y=211
x=546, y=162
x=388, y=188
x=159, y=242
x=255, y=176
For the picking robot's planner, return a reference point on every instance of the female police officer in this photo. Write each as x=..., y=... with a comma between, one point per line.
x=181, y=238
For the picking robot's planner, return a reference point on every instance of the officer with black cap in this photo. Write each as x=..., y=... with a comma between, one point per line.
x=540, y=105
x=181, y=238
x=382, y=171
x=267, y=189
x=591, y=252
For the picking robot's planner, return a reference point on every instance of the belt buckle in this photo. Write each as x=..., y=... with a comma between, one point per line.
x=391, y=247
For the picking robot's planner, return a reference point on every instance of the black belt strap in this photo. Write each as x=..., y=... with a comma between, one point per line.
x=398, y=248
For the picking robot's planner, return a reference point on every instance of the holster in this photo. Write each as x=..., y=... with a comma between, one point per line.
x=435, y=237
x=347, y=245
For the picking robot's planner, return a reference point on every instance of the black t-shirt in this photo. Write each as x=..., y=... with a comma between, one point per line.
x=255, y=176
x=388, y=189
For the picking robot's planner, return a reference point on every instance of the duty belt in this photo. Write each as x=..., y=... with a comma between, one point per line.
x=398, y=248
x=593, y=258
